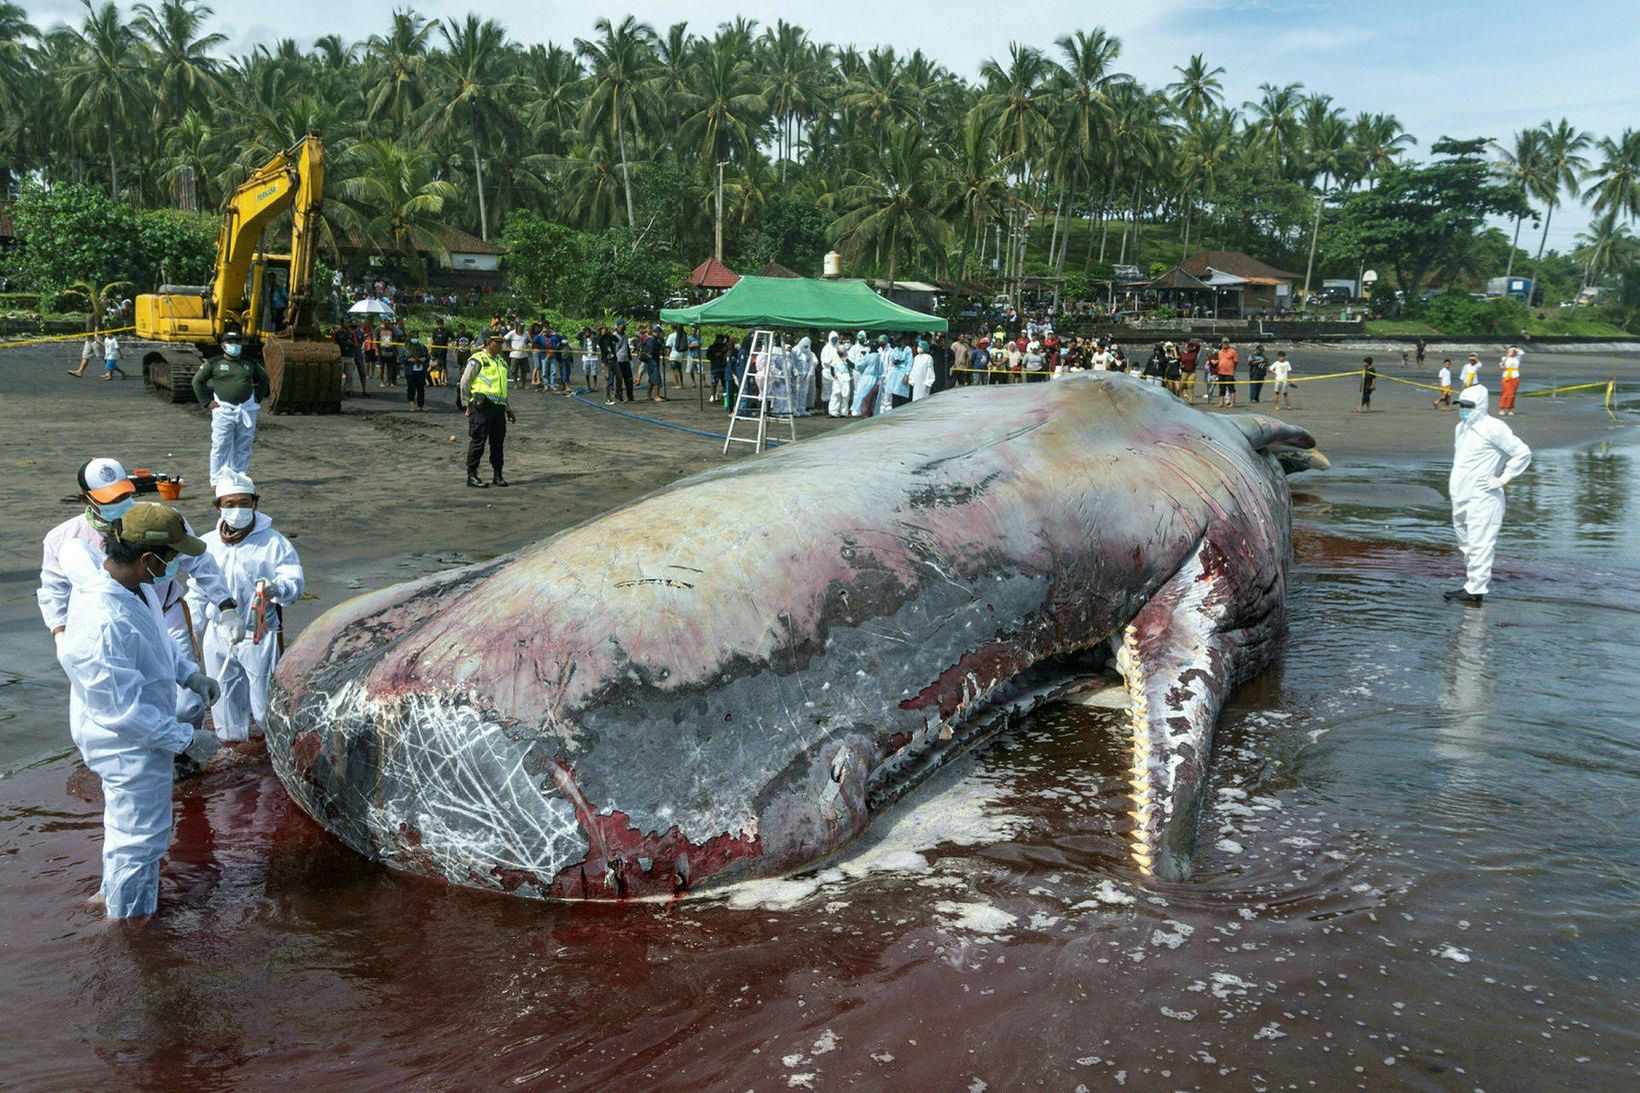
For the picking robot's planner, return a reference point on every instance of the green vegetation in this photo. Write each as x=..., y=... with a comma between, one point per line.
x=1052, y=162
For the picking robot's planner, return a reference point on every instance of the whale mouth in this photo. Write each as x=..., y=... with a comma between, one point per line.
x=941, y=741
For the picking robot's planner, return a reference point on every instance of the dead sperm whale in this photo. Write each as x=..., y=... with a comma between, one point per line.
x=728, y=677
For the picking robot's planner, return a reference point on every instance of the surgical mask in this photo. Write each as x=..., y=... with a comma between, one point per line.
x=238, y=518
x=102, y=517
x=1465, y=413
x=232, y=350
x=171, y=568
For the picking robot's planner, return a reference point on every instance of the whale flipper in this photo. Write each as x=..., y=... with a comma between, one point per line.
x=1180, y=659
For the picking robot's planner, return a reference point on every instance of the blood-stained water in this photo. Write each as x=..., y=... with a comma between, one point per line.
x=1419, y=866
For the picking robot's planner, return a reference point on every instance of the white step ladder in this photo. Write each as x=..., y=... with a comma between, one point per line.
x=766, y=384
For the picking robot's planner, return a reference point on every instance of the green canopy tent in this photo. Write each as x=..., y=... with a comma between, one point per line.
x=802, y=303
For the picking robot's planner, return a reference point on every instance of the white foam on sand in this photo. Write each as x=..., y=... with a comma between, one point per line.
x=975, y=918
x=957, y=807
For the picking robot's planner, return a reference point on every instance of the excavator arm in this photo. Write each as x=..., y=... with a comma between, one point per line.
x=238, y=296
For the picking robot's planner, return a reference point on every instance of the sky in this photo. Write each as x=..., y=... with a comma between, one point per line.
x=1461, y=68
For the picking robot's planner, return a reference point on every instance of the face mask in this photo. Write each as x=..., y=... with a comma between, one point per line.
x=170, y=569
x=104, y=515
x=238, y=518
x=1465, y=413
x=232, y=350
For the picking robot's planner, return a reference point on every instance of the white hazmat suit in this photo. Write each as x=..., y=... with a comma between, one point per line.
x=74, y=549
x=124, y=671
x=244, y=668
x=922, y=375
x=803, y=362
x=1486, y=457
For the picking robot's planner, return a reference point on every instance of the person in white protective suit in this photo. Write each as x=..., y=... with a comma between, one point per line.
x=75, y=546
x=828, y=362
x=1486, y=457
x=803, y=362
x=263, y=573
x=858, y=350
x=123, y=672
x=869, y=399
x=922, y=372
x=842, y=377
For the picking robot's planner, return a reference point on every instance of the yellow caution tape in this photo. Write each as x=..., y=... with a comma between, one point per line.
x=64, y=337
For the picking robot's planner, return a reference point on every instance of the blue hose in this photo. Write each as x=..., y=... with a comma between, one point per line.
x=595, y=404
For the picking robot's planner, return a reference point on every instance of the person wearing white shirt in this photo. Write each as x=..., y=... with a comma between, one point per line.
x=1443, y=380
x=1471, y=374
x=1281, y=378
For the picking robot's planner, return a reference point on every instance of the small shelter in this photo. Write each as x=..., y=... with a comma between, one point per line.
x=1244, y=284
x=804, y=303
x=713, y=275
x=775, y=269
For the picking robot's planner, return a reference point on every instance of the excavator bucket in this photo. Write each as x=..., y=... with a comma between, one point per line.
x=304, y=376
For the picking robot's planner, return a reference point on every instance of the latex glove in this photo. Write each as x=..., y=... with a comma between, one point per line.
x=208, y=689
x=1494, y=483
x=233, y=625
x=202, y=747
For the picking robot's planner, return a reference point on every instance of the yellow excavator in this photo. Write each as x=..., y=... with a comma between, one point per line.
x=267, y=298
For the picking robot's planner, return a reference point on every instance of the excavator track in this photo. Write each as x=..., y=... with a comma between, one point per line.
x=167, y=368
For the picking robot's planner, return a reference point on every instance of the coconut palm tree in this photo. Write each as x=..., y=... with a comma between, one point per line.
x=1198, y=88
x=393, y=201
x=784, y=57
x=978, y=184
x=1082, y=107
x=1275, y=130
x=1016, y=104
x=105, y=81
x=1327, y=150
x=1519, y=165
x=1205, y=154
x=724, y=113
x=897, y=206
x=620, y=62
x=472, y=95
x=1562, y=164
x=552, y=81
x=398, y=64
x=1378, y=140
x=878, y=98
x=184, y=71
x=1616, y=188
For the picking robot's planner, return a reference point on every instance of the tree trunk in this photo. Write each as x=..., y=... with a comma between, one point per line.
x=1548, y=214
x=1509, y=266
x=1104, y=229
x=626, y=173
x=113, y=170
x=478, y=180
x=1189, y=209
x=1315, y=231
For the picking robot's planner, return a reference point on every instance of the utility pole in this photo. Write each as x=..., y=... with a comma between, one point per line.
x=717, y=249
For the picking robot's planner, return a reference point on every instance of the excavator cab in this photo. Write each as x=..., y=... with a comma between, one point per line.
x=268, y=298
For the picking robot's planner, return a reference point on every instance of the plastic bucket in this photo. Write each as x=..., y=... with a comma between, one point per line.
x=170, y=490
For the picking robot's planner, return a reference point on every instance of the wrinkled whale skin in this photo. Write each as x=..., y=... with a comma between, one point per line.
x=726, y=678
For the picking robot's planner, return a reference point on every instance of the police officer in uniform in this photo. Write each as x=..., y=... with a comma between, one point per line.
x=484, y=389
x=232, y=388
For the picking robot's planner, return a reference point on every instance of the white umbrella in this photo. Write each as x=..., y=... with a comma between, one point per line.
x=371, y=306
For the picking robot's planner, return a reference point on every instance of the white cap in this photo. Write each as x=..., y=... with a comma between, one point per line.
x=105, y=480
x=229, y=482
